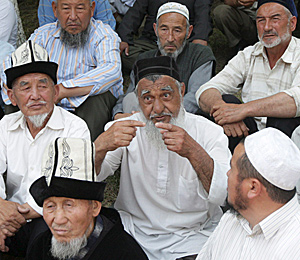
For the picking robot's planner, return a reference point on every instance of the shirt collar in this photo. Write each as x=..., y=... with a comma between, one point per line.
x=272, y=223
x=278, y=218
x=287, y=56
x=55, y=122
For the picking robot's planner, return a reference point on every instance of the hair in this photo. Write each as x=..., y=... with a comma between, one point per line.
x=156, y=77
x=246, y=170
x=91, y=1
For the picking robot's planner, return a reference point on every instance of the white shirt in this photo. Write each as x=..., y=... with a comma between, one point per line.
x=161, y=200
x=275, y=237
x=21, y=154
x=250, y=70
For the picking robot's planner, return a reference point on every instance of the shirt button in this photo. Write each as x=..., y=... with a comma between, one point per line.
x=161, y=166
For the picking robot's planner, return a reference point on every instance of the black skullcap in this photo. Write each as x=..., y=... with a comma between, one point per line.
x=162, y=65
x=289, y=4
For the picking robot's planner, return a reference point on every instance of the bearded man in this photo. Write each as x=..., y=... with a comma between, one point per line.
x=173, y=166
x=23, y=135
x=196, y=62
x=267, y=75
x=80, y=228
x=263, y=222
x=87, y=52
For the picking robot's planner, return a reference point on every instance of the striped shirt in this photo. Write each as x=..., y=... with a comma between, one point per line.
x=97, y=64
x=250, y=71
x=275, y=237
x=102, y=12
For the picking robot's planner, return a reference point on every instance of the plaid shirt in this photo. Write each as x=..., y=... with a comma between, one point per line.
x=250, y=71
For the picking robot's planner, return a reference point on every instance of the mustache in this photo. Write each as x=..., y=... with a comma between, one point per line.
x=271, y=32
x=161, y=114
x=36, y=103
x=55, y=226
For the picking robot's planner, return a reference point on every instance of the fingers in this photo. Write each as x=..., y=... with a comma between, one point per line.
x=23, y=210
x=236, y=129
x=167, y=126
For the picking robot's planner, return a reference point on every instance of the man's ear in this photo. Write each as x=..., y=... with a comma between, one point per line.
x=182, y=90
x=293, y=23
x=96, y=207
x=255, y=188
x=190, y=31
x=11, y=96
x=93, y=8
x=154, y=27
x=54, y=8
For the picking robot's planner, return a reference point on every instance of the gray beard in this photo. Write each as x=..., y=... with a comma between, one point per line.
x=276, y=41
x=38, y=120
x=170, y=54
x=153, y=133
x=66, y=250
x=75, y=40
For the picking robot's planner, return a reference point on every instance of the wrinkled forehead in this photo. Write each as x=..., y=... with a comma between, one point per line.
x=269, y=9
x=164, y=83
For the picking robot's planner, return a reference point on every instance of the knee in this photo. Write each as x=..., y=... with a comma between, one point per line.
x=222, y=14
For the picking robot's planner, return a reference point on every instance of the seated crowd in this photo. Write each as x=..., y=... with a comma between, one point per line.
x=209, y=163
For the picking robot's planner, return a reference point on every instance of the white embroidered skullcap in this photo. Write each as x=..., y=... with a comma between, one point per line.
x=68, y=170
x=173, y=7
x=275, y=156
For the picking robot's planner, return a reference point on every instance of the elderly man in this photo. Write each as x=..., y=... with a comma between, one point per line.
x=71, y=199
x=23, y=135
x=130, y=49
x=195, y=61
x=264, y=222
x=267, y=73
x=173, y=166
x=102, y=12
x=87, y=52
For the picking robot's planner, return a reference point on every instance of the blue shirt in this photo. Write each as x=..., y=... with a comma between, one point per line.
x=102, y=12
x=96, y=64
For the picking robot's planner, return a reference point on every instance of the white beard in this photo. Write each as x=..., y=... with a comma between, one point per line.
x=38, y=120
x=153, y=133
x=66, y=250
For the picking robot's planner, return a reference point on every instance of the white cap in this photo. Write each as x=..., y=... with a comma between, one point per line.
x=172, y=7
x=274, y=155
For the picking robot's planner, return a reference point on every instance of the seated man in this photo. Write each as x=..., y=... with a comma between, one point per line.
x=195, y=61
x=236, y=20
x=87, y=52
x=199, y=17
x=268, y=75
x=71, y=199
x=264, y=220
x=102, y=12
x=23, y=135
x=173, y=166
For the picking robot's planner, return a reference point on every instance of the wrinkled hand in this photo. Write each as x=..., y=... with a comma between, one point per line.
x=246, y=3
x=236, y=129
x=124, y=47
x=10, y=218
x=176, y=139
x=28, y=212
x=228, y=113
x=3, y=247
x=120, y=134
x=122, y=115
